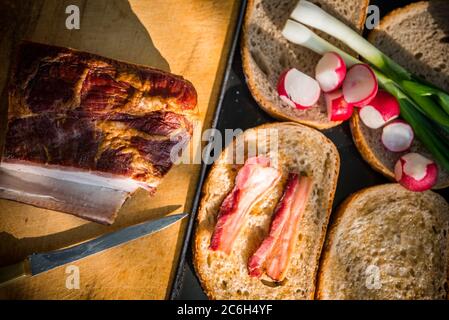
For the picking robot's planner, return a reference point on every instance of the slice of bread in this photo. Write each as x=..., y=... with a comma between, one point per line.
x=266, y=54
x=417, y=37
x=387, y=243
x=301, y=149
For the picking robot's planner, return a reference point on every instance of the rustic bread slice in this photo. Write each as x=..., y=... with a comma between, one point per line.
x=417, y=37
x=300, y=149
x=387, y=243
x=266, y=54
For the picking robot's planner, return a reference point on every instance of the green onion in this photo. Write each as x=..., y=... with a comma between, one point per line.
x=300, y=34
x=418, y=108
x=313, y=16
x=426, y=91
x=310, y=14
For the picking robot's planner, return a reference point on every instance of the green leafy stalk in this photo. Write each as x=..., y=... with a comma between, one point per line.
x=428, y=106
x=422, y=127
x=310, y=14
x=427, y=91
x=418, y=107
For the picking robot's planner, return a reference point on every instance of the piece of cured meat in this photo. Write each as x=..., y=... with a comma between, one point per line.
x=253, y=181
x=79, y=122
x=273, y=255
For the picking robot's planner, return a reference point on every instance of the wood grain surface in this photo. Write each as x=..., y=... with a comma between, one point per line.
x=190, y=38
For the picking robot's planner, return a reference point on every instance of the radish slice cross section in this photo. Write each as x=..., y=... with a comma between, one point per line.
x=330, y=71
x=381, y=110
x=360, y=85
x=298, y=89
x=337, y=107
x=397, y=136
x=415, y=172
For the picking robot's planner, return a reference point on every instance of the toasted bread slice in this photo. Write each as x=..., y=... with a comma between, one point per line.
x=266, y=54
x=417, y=37
x=300, y=149
x=387, y=243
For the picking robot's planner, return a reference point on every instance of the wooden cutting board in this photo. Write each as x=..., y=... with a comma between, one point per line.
x=190, y=38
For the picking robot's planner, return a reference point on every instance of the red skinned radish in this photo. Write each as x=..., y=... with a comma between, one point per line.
x=337, y=107
x=397, y=136
x=381, y=110
x=298, y=90
x=415, y=172
x=360, y=85
x=330, y=71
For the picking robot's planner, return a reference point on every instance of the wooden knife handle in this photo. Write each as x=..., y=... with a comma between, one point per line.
x=14, y=271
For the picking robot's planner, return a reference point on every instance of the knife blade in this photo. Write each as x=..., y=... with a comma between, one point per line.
x=41, y=262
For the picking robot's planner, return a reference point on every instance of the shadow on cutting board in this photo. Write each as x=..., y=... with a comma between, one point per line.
x=29, y=245
x=107, y=27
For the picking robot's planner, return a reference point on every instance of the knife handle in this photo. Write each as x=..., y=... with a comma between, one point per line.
x=14, y=272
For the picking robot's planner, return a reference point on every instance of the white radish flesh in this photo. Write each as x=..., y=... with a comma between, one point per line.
x=415, y=172
x=397, y=136
x=337, y=107
x=330, y=71
x=381, y=110
x=360, y=85
x=298, y=89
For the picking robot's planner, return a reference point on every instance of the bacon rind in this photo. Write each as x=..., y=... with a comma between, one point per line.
x=253, y=181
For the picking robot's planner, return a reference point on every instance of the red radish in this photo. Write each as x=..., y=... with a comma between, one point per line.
x=330, y=71
x=337, y=107
x=415, y=172
x=298, y=90
x=381, y=110
x=360, y=85
x=397, y=136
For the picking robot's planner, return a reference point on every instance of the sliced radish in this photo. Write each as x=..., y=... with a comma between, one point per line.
x=337, y=107
x=397, y=136
x=381, y=110
x=297, y=89
x=330, y=71
x=415, y=172
x=360, y=85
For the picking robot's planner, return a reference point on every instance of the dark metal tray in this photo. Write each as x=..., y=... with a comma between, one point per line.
x=237, y=109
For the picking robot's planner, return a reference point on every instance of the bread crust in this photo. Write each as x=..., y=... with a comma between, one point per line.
x=355, y=122
x=337, y=216
x=331, y=235
x=266, y=104
x=198, y=259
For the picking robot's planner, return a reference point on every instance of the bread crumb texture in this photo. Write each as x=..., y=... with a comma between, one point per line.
x=387, y=243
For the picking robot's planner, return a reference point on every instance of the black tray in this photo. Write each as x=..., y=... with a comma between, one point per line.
x=237, y=109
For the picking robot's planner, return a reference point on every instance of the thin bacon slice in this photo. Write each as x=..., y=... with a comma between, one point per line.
x=254, y=180
x=273, y=255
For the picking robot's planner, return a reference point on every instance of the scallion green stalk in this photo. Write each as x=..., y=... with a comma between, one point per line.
x=310, y=14
x=411, y=111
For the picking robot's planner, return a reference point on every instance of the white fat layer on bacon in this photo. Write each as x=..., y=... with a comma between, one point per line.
x=92, y=202
x=76, y=176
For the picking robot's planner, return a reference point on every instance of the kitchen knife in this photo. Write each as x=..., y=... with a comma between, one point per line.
x=40, y=262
